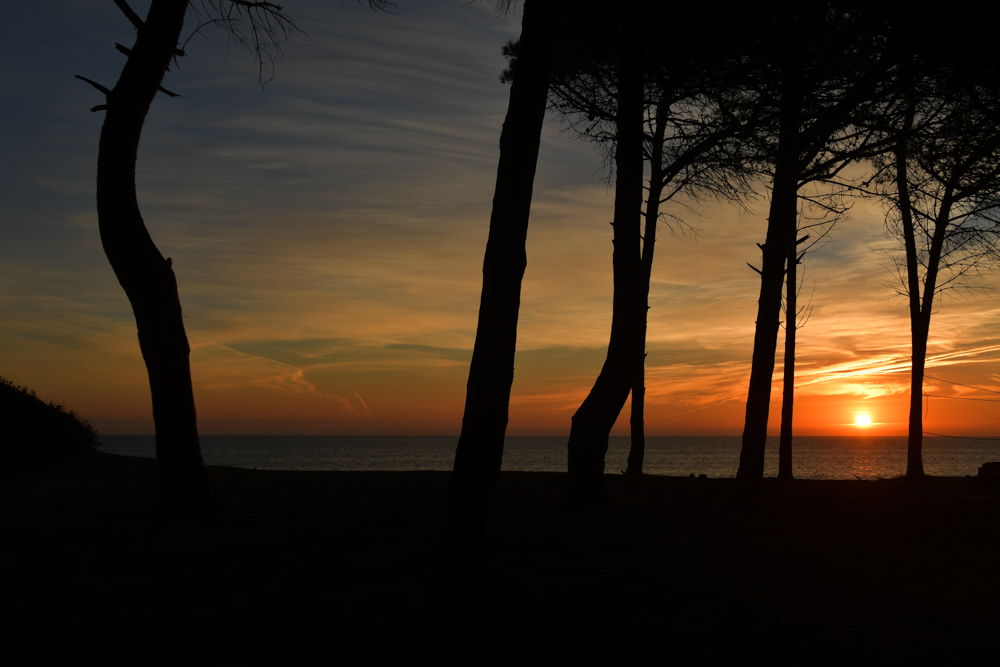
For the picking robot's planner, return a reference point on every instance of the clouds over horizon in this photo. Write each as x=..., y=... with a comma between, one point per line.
x=328, y=236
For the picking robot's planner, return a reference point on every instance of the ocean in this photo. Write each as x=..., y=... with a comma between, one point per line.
x=815, y=457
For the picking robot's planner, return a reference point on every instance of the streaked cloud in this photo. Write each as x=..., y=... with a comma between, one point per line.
x=328, y=236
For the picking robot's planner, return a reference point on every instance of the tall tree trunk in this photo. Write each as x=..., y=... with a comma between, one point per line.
x=637, y=419
x=147, y=277
x=780, y=234
x=591, y=425
x=915, y=425
x=918, y=340
x=637, y=425
x=491, y=372
x=788, y=379
x=919, y=324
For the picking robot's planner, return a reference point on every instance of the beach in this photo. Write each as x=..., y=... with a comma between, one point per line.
x=335, y=566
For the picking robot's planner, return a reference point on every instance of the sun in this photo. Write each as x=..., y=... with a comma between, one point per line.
x=862, y=420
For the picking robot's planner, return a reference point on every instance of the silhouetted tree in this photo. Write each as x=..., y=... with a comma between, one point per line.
x=147, y=278
x=792, y=326
x=591, y=425
x=697, y=158
x=484, y=423
x=813, y=66
x=788, y=379
x=942, y=179
x=637, y=418
x=829, y=203
x=684, y=142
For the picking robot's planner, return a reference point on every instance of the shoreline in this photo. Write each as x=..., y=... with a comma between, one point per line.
x=673, y=569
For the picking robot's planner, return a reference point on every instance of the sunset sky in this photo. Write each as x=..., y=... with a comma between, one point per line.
x=328, y=235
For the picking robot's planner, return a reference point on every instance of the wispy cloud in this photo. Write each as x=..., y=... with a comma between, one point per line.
x=328, y=236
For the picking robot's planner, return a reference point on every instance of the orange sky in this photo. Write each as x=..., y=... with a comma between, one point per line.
x=328, y=236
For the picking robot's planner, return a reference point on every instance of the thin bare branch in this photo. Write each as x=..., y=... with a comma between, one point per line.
x=95, y=85
x=256, y=27
x=130, y=14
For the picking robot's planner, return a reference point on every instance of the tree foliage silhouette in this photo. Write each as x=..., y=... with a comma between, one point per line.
x=812, y=66
x=689, y=149
x=941, y=183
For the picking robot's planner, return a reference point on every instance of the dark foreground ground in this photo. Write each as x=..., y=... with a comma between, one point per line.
x=334, y=567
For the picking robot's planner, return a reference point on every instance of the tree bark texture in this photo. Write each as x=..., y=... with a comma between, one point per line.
x=147, y=278
x=592, y=423
x=781, y=226
x=491, y=372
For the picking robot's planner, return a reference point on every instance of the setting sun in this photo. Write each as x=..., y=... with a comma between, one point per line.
x=862, y=420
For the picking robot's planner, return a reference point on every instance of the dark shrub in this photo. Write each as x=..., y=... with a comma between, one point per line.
x=33, y=431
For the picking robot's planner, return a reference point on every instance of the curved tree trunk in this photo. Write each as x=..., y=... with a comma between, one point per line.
x=491, y=372
x=592, y=423
x=145, y=275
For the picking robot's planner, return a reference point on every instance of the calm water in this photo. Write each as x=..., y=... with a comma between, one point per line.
x=814, y=457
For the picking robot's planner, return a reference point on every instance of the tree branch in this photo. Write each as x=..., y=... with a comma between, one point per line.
x=130, y=14
x=95, y=85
